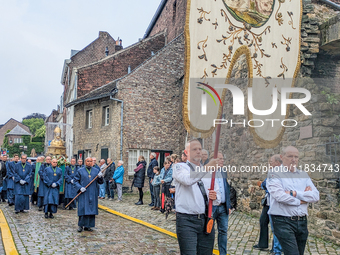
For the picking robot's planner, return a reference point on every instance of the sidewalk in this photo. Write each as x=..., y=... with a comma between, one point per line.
x=243, y=230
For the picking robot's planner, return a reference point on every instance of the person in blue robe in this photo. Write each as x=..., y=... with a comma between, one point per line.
x=70, y=190
x=42, y=185
x=88, y=199
x=80, y=164
x=52, y=180
x=22, y=176
x=10, y=180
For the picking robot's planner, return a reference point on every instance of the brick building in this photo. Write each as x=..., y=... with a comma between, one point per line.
x=97, y=64
x=16, y=135
x=149, y=119
x=170, y=18
x=9, y=125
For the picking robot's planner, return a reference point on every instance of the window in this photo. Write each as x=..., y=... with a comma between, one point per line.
x=18, y=140
x=174, y=7
x=89, y=117
x=106, y=115
x=87, y=154
x=133, y=159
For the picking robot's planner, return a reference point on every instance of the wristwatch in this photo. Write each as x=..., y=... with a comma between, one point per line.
x=291, y=193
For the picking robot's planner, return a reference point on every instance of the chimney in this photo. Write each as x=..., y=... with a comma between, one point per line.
x=118, y=45
x=102, y=34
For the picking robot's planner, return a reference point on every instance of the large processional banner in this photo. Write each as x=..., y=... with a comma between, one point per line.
x=217, y=34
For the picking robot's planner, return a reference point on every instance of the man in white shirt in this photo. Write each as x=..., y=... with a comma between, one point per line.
x=290, y=192
x=190, y=202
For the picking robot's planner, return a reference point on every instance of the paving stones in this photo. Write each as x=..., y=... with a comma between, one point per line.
x=243, y=231
x=33, y=234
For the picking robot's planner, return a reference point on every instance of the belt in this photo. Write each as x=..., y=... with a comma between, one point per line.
x=221, y=204
x=293, y=217
x=198, y=216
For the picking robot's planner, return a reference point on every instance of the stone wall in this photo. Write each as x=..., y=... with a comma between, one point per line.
x=152, y=96
x=93, y=52
x=113, y=67
x=171, y=19
x=240, y=149
x=99, y=136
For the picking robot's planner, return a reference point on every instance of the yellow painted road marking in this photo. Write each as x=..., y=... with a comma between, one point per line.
x=162, y=230
x=6, y=235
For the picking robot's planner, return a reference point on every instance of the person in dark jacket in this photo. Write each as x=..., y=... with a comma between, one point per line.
x=150, y=173
x=3, y=176
x=108, y=178
x=139, y=178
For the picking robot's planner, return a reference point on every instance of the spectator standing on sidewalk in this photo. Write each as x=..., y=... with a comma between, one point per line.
x=102, y=188
x=150, y=173
x=139, y=178
x=166, y=179
x=118, y=177
x=156, y=183
x=108, y=179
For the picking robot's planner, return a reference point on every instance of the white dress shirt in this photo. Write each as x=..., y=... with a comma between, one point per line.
x=189, y=198
x=279, y=181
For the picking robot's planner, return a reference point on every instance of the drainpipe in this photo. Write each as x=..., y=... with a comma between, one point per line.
x=332, y=4
x=121, y=124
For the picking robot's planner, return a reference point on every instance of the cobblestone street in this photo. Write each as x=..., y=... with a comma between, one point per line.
x=33, y=234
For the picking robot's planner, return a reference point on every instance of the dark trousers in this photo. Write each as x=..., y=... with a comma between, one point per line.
x=109, y=192
x=191, y=237
x=72, y=205
x=140, y=190
x=291, y=233
x=40, y=202
x=151, y=191
x=87, y=221
x=34, y=197
x=49, y=208
x=10, y=196
x=4, y=195
x=156, y=190
x=264, y=221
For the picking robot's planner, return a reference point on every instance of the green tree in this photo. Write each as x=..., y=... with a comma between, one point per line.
x=33, y=124
x=41, y=131
x=5, y=141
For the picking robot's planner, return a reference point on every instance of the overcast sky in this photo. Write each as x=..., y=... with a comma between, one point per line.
x=36, y=37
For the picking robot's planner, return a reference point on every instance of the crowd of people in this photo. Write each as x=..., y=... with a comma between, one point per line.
x=180, y=184
x=49, y=186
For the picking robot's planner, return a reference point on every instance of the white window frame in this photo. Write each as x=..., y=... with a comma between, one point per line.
x=87, y=153
x=18, y=140
x=89, y=118
x=133, y=159
x=107, y=115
